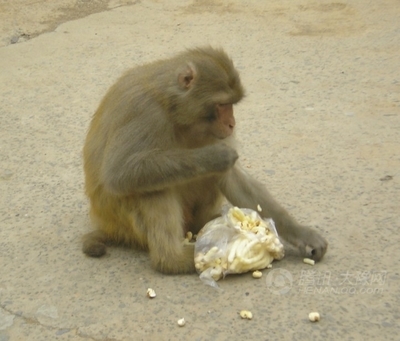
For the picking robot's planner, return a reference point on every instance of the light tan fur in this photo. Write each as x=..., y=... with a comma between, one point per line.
x=159, y=159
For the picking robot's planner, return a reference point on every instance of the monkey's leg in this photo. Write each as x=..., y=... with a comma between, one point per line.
x=208, y=209
x=244, y=191
x=163, y=219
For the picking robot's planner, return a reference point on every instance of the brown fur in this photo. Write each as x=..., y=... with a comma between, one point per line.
x=159, y=158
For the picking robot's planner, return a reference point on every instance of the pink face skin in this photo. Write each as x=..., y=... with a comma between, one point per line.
x=225, y=121
x=206, y=131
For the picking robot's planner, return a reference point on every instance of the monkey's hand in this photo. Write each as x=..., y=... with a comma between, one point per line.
x=310, y=243
x=218, y=158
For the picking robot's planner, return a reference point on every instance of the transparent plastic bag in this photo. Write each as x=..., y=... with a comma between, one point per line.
x=239, y=241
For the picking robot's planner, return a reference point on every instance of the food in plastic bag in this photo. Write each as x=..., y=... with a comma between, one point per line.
x=237, y=242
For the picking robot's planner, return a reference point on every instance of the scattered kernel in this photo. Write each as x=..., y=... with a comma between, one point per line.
x=314, y=317
x=245, y=314
x=151, y=293
x=257, y=274
x=189, y=236
x=309, y=261
x=181, y=322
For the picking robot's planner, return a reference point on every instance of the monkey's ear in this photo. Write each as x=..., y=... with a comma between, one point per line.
x=186, y=76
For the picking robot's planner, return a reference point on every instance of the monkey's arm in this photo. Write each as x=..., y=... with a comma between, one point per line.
x=131, y=171
x=244, y=191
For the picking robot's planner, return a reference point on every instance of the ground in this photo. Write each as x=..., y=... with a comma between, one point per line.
x=320, y=126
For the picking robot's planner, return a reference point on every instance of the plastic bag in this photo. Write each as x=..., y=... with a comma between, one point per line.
x=237, y=242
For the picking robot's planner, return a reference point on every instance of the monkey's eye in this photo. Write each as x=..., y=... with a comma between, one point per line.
x=211, y=118
x=211, y=115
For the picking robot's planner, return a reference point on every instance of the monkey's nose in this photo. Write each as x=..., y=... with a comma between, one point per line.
x=232, y=123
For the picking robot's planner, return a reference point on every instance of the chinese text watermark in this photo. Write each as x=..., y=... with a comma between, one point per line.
x=281, y=281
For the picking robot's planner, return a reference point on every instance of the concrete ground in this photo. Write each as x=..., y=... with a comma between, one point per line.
x=320, y=126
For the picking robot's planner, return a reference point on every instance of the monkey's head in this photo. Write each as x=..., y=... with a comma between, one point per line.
x=209, y=86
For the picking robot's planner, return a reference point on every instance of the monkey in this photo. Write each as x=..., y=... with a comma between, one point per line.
x=160, y=160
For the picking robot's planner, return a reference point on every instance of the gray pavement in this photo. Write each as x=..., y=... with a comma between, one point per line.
x=320, y=126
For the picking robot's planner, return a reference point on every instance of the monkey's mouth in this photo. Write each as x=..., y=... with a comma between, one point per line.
x=225, y=135
x=220, y=138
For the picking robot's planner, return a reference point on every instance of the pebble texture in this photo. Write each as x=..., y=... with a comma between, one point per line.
x=320, y=126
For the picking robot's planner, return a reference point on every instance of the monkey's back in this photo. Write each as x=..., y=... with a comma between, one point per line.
x=139, y=106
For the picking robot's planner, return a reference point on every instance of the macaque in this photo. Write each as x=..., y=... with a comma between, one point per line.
x=160, y=159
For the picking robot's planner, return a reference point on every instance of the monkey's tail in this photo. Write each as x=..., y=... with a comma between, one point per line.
x=94, y=244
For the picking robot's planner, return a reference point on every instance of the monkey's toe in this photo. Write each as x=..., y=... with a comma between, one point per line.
x=94, y=249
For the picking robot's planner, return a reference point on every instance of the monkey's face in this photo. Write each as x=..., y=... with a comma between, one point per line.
x=220, y=121
x=214, y=108
x=215, y=123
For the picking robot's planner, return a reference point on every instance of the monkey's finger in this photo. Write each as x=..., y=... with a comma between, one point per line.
x=316, y=252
